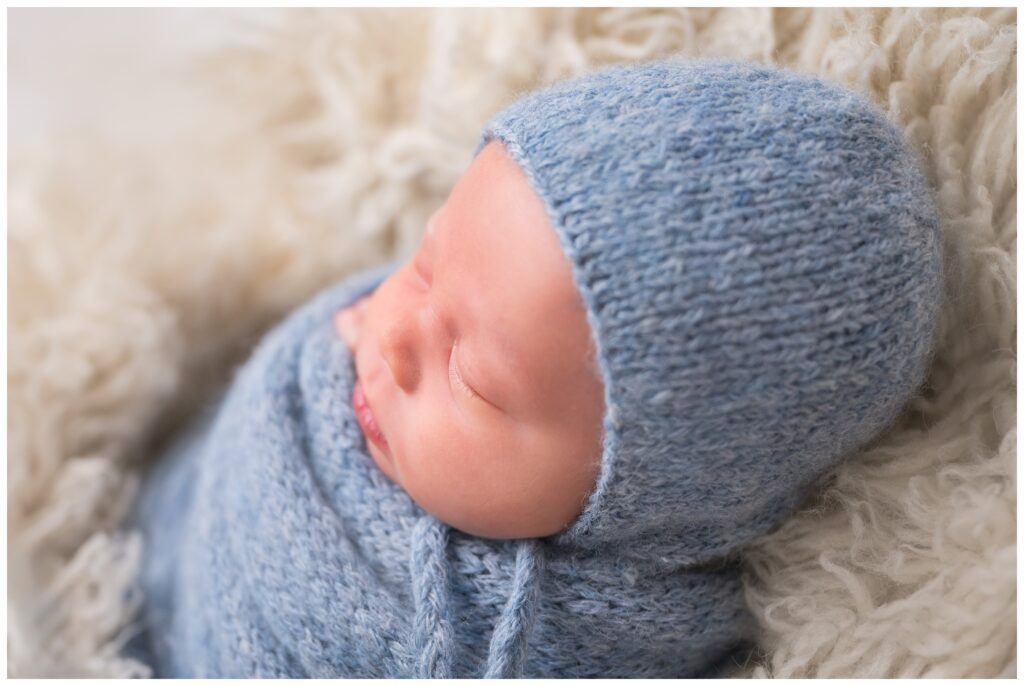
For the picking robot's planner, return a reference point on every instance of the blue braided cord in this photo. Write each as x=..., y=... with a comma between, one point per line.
x=433, y=635
x=509, y=641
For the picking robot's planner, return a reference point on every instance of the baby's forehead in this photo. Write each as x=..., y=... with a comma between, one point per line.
x=494, y=222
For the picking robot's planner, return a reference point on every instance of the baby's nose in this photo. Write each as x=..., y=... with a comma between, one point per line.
x=346, y=326
x=347, y=323
x=397, y=343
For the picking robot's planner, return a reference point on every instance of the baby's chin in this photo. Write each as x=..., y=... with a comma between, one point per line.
x=382, y=460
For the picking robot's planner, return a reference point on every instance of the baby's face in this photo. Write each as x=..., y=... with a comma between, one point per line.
x=476, y=361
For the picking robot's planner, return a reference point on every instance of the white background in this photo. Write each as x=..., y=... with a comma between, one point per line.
x=113, y=69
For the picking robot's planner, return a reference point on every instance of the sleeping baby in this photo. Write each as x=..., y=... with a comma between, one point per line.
x=663, y=301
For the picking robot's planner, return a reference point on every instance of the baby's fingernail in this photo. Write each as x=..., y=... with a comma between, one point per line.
x=347, y=326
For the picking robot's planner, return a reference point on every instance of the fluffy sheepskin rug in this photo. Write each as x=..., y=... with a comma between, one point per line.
x=138, y=278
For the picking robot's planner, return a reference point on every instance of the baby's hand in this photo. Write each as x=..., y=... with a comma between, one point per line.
x=348, y=321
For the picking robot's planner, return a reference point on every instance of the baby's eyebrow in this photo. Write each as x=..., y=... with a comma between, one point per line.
x=494, y=370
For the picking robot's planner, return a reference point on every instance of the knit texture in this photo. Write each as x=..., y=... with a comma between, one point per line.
x=277, y=548
x=760, y=264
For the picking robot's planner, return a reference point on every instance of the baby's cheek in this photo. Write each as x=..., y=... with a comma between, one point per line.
x=438, y=457
x=496, y=479
x=549, y=477
x=453, y=477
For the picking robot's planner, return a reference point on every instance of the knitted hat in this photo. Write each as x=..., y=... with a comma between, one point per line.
x=760, y=262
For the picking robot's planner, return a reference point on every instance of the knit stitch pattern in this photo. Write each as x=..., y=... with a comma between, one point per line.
x=277, y=548
x=760, y=263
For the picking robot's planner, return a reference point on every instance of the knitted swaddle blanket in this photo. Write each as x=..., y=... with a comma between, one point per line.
x=277, y=548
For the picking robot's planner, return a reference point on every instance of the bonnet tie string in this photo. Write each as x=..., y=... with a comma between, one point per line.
x=507, y=654
x=433, y=633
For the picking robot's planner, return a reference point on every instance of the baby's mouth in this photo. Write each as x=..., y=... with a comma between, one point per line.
x=367, y=422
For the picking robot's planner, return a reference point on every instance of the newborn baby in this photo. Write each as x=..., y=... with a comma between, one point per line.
x=475, y=365
x=662, y=302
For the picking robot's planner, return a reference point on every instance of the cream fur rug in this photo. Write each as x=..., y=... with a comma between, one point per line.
x=138, y=278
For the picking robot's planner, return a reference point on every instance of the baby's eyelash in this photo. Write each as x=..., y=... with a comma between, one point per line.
x=453, y=375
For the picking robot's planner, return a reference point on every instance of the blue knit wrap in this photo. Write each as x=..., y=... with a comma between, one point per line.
x=277, y=548
x=760, y=263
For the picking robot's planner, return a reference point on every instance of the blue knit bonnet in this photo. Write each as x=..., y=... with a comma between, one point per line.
x=760, y=261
